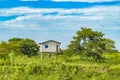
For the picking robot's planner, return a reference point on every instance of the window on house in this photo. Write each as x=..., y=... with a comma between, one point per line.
x=46, y=46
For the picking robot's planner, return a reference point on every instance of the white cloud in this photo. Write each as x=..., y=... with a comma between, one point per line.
x=86, y=0
x=64, y=23
x=34, y=17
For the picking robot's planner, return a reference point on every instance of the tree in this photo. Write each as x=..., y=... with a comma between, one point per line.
x=14, y=44
x=4, y=47
x=28, y=47
x=15, y=40
x=109, y=44
x=90, y=44
x=19, y=46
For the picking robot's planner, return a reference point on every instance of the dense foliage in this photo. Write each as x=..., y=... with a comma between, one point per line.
x=19, y=46
x=90, y=44
x=72, y=68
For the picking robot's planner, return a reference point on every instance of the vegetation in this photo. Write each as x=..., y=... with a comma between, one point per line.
x=83, y=60
x=19, y=46
x=23, y=67
x=90, y=44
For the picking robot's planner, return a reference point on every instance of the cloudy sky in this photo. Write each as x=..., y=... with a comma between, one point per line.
x=58, y=20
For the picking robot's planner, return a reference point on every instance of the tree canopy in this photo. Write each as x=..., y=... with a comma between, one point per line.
x=90, y=44
x=28, y=47
x=20, y=46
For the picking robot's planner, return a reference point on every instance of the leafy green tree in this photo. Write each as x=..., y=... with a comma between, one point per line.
x=15, y=40
x=109, y=44
x=28, y=47
x=13, y=45
x=4, y=47
x=90, y=44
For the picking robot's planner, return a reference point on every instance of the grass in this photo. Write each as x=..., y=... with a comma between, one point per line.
x=58, y=68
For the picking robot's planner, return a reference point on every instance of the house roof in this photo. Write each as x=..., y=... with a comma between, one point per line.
x=50, y=41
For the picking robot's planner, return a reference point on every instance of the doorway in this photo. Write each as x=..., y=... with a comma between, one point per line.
x=57, y=48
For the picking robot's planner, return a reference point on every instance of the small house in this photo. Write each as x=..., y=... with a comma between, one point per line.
x=50, y=46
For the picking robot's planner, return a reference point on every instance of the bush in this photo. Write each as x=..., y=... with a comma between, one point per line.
x=22, y=67
x=19, y=46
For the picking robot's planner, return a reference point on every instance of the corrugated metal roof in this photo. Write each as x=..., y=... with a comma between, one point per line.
x=50, y=41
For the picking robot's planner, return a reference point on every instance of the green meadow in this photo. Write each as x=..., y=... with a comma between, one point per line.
x=59, y=67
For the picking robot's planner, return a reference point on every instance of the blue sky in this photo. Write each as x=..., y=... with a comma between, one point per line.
x=58, y=20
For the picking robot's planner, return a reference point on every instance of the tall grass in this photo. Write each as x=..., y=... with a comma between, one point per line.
x=22, y=67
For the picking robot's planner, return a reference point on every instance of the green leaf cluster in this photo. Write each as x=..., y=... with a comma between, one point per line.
x=19, y=46
x=90, y=44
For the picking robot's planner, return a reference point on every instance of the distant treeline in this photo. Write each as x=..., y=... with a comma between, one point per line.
x=87, y=43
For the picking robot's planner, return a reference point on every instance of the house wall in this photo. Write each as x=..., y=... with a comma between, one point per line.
x=51, y=47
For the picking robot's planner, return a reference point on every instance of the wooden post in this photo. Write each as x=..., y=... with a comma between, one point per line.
x=41, y=55
x=41, y=52
x=49, y=55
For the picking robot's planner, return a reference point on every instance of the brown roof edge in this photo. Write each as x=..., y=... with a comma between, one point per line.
x=50, y=41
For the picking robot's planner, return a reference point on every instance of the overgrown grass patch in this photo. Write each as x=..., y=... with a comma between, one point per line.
x=58, y=68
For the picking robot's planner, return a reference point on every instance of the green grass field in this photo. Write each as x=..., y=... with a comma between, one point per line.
x=59, y=68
